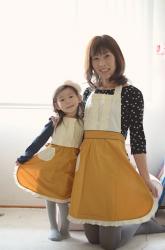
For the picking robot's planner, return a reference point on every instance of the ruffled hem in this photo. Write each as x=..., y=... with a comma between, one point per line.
x=118, y=223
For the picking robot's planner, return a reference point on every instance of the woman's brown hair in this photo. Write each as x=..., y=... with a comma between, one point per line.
x=60, y=113
x=98, y=45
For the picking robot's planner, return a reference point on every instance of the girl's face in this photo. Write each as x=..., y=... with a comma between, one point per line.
x=68, y=101
x=104, y=65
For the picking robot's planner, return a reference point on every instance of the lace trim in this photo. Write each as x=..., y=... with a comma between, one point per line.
x=118, y=223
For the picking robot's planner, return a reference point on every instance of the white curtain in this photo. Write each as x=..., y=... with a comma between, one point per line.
x=43, y=43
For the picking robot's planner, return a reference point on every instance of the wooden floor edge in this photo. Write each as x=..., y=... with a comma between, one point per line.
x=20, y=206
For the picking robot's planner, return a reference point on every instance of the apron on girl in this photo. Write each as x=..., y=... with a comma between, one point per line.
x=107, y=190
x=49, y=174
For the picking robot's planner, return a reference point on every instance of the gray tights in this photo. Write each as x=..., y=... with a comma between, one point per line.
x=55, y=233
x=110, y=238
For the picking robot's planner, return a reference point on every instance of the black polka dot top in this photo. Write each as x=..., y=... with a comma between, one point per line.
x=132, y=107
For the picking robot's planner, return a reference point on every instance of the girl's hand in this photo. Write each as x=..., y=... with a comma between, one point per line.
x=152, y=188
x=17, y=163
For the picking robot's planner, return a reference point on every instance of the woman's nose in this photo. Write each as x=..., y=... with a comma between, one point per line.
x=102, y=62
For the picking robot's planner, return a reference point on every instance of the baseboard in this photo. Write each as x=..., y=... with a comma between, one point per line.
x=21, y=206
x=35, y=206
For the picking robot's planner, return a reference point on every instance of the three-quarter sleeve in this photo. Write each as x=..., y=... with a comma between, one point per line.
x=137, y=136
x=86, y=94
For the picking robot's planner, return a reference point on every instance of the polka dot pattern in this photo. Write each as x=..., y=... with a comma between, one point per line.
x=132, y=108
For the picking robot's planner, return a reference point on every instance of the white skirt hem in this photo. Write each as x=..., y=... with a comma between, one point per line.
x=143, y=219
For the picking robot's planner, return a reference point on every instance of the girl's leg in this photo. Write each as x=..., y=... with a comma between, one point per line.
x=113, y=237
x=92, y=233
x=63, y=208
x=54, y=234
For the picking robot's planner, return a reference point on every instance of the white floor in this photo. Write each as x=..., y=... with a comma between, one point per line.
x=26, y=229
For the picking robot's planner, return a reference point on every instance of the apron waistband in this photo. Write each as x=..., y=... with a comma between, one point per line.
x=97, y=134
x=56, y=145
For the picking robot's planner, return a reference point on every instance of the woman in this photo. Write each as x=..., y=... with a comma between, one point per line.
x=109, y=196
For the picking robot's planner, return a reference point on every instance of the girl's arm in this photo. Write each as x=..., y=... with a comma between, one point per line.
x=37, y=143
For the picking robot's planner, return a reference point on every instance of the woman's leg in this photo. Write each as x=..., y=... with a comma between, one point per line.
x=63, y=208
x=54, y=234
x=113, y=237
x=92, y=233
x=151, y=227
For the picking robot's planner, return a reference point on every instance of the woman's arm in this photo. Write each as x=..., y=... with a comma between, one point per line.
x=137, y=138
x=86, y=94
x=141, y=162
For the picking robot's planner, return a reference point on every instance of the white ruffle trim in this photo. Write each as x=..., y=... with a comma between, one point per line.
x=118, y=223
x=36, y=194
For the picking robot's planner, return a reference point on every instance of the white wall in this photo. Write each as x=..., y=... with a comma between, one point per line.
x=155, y=109
x=19, y=126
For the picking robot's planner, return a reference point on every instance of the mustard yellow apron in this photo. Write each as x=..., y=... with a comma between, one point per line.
x=107, y=190
x=49, y=174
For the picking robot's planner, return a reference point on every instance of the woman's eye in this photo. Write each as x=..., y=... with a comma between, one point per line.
x=70, y=96
x=107, y=55
x=95, y=58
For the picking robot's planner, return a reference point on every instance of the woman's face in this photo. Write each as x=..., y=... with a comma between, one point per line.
x=104, y=65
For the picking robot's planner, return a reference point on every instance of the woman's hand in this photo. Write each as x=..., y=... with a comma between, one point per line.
x=152, y=188
x=54, y=120
x=141, y=163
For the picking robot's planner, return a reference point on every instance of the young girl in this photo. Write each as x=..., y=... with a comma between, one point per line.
x=109, y=196
x=50, y=172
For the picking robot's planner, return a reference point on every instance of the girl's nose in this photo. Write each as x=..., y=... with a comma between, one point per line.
x=68, y=100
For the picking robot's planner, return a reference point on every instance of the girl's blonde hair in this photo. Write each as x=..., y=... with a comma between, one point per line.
x=76, y=88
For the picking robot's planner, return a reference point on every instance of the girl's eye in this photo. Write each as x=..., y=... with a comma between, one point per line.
x=61, y=100
x=70, y=96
